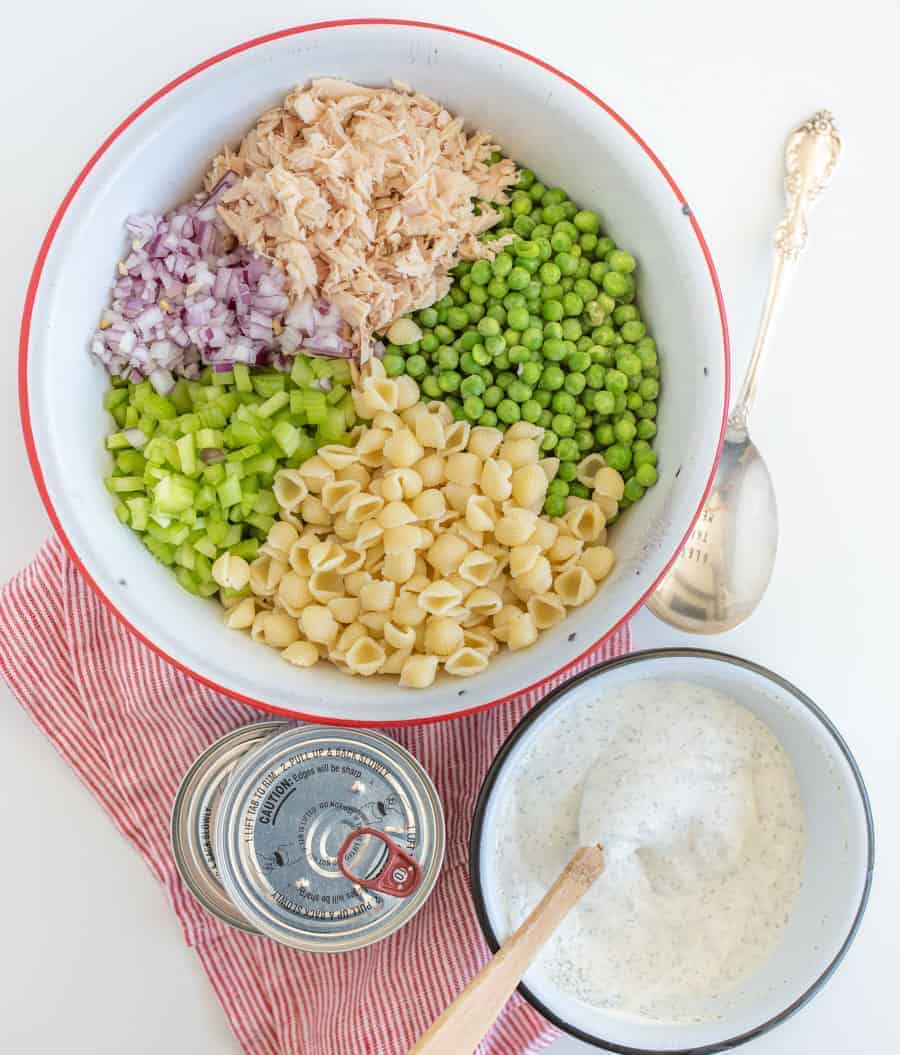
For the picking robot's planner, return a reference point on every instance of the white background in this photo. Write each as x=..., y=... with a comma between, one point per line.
x=91, y=960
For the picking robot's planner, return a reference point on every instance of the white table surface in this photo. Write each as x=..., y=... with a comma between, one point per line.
x=91, y=961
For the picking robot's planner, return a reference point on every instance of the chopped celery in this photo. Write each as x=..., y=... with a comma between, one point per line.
x=287, y=437
x=265, y=503
x=273, y=404
x=229, y=492
x=120, y=484
x=214, y=474
x=223, y=378
x=266, y=384
x=117, y=441
x=263, y=523
x=181, y=396
x=235, y=469
x=122, y=513
x=301, y=372
x=262, y=463
x=186, y=580
x=131, y=463
x=322, y=367
x=159, y=407
x=173, y=494
x=243, y=453
x=187, y=454
x=242, y=380
x=139, y=509
x=163, y=551
x=335, y=395
x=131, y=419
x=209, y=439
x=188, y=423
x=217, y=531
x=248, y=549
x=115, y=397
x=206, y=546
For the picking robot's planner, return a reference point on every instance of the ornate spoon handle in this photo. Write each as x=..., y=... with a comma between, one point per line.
x=810, y=157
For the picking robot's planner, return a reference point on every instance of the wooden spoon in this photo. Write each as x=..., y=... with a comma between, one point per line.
x=473, y=1012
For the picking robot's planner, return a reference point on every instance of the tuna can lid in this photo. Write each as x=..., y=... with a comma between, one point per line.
x=285, y=842
x=194, y=816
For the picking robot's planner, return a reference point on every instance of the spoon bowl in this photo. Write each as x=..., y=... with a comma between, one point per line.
x=722, y=571
x=724, y=568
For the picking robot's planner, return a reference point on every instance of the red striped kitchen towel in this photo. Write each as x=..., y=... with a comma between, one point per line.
x=130, y=725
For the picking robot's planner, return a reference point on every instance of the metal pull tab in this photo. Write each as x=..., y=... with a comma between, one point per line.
x=400, y=875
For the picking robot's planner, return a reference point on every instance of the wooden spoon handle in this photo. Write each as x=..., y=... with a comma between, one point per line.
x=473, y=1012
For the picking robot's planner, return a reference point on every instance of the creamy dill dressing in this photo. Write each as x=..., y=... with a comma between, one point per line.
x=699, y=809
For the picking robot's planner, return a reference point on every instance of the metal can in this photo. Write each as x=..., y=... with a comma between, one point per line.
x=329, y=839
x=194, y=816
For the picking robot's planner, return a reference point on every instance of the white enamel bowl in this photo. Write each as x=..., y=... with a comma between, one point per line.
x=837, y=870
x=157, y=157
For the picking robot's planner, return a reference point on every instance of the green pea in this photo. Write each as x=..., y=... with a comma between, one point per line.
x=563, y=425
x=563, y=403
x=550, y=273
x=394, y=365
x=488, y=419
x=517, y=318
x=518, y=278
x=526, y=179
x=596, y=376
x=546, y=419
x=498, y=312
x=575, y=384
x=558, y=487
x=428, y=316
x=416, y=366
x=537, y=191
x=519, y=354
x=579, y=490
x=429, y=343
x=597, y=270
x=531, y=373
x=492, y=395
x=553, y=331
x=429, y=385
x=521, y=204
x=571, y=328
x=648, y=410
x=588, y=242
x=552, y=213
x=532, y=338
x=457, y=297
x=572, y=304
x=554, y=505
x=488, y=327
x=554, y=349
x=474, y=311
x=524, y=226
x=585, y=220
x=620, y=261
x=505, y=378
x=614, y=284
x=618, y=457
x=501, y=361
x=634, y=401
x=531, y=410
x=447, y=358
x=643, y=455
x=586, y=289
x=604, y=435
x=554, y=292
x=629, y=364
x=625, y=431
x=542, y=397
x=584, y=344
x=549, y=441
x=552, y=378
x=508, y=411
x=567, y=451
x=633, y=489
x=649, y=388
x=616, y=382
x=552, y=310
x=646, y=429
x=472, y=386
x=457, y=319
x=449, y=380
x=621, y=403
x=497, y=288
x=560, y=242
x=580, y=413
x=625, y=313
x=566, y=263
x=518, y=391
x=545, y=249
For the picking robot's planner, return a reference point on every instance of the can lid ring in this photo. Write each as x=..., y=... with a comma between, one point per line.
x=399, y=876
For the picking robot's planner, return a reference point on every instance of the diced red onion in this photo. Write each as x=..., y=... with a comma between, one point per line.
x=186, y=297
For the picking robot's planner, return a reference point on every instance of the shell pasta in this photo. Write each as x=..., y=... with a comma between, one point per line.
x=421, y=548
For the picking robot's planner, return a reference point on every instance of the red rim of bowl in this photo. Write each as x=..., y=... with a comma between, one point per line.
x=25, y=332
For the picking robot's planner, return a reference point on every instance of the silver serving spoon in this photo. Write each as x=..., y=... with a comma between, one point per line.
x=723, y=570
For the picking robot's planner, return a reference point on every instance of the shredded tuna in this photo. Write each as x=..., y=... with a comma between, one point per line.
x=364, y=196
